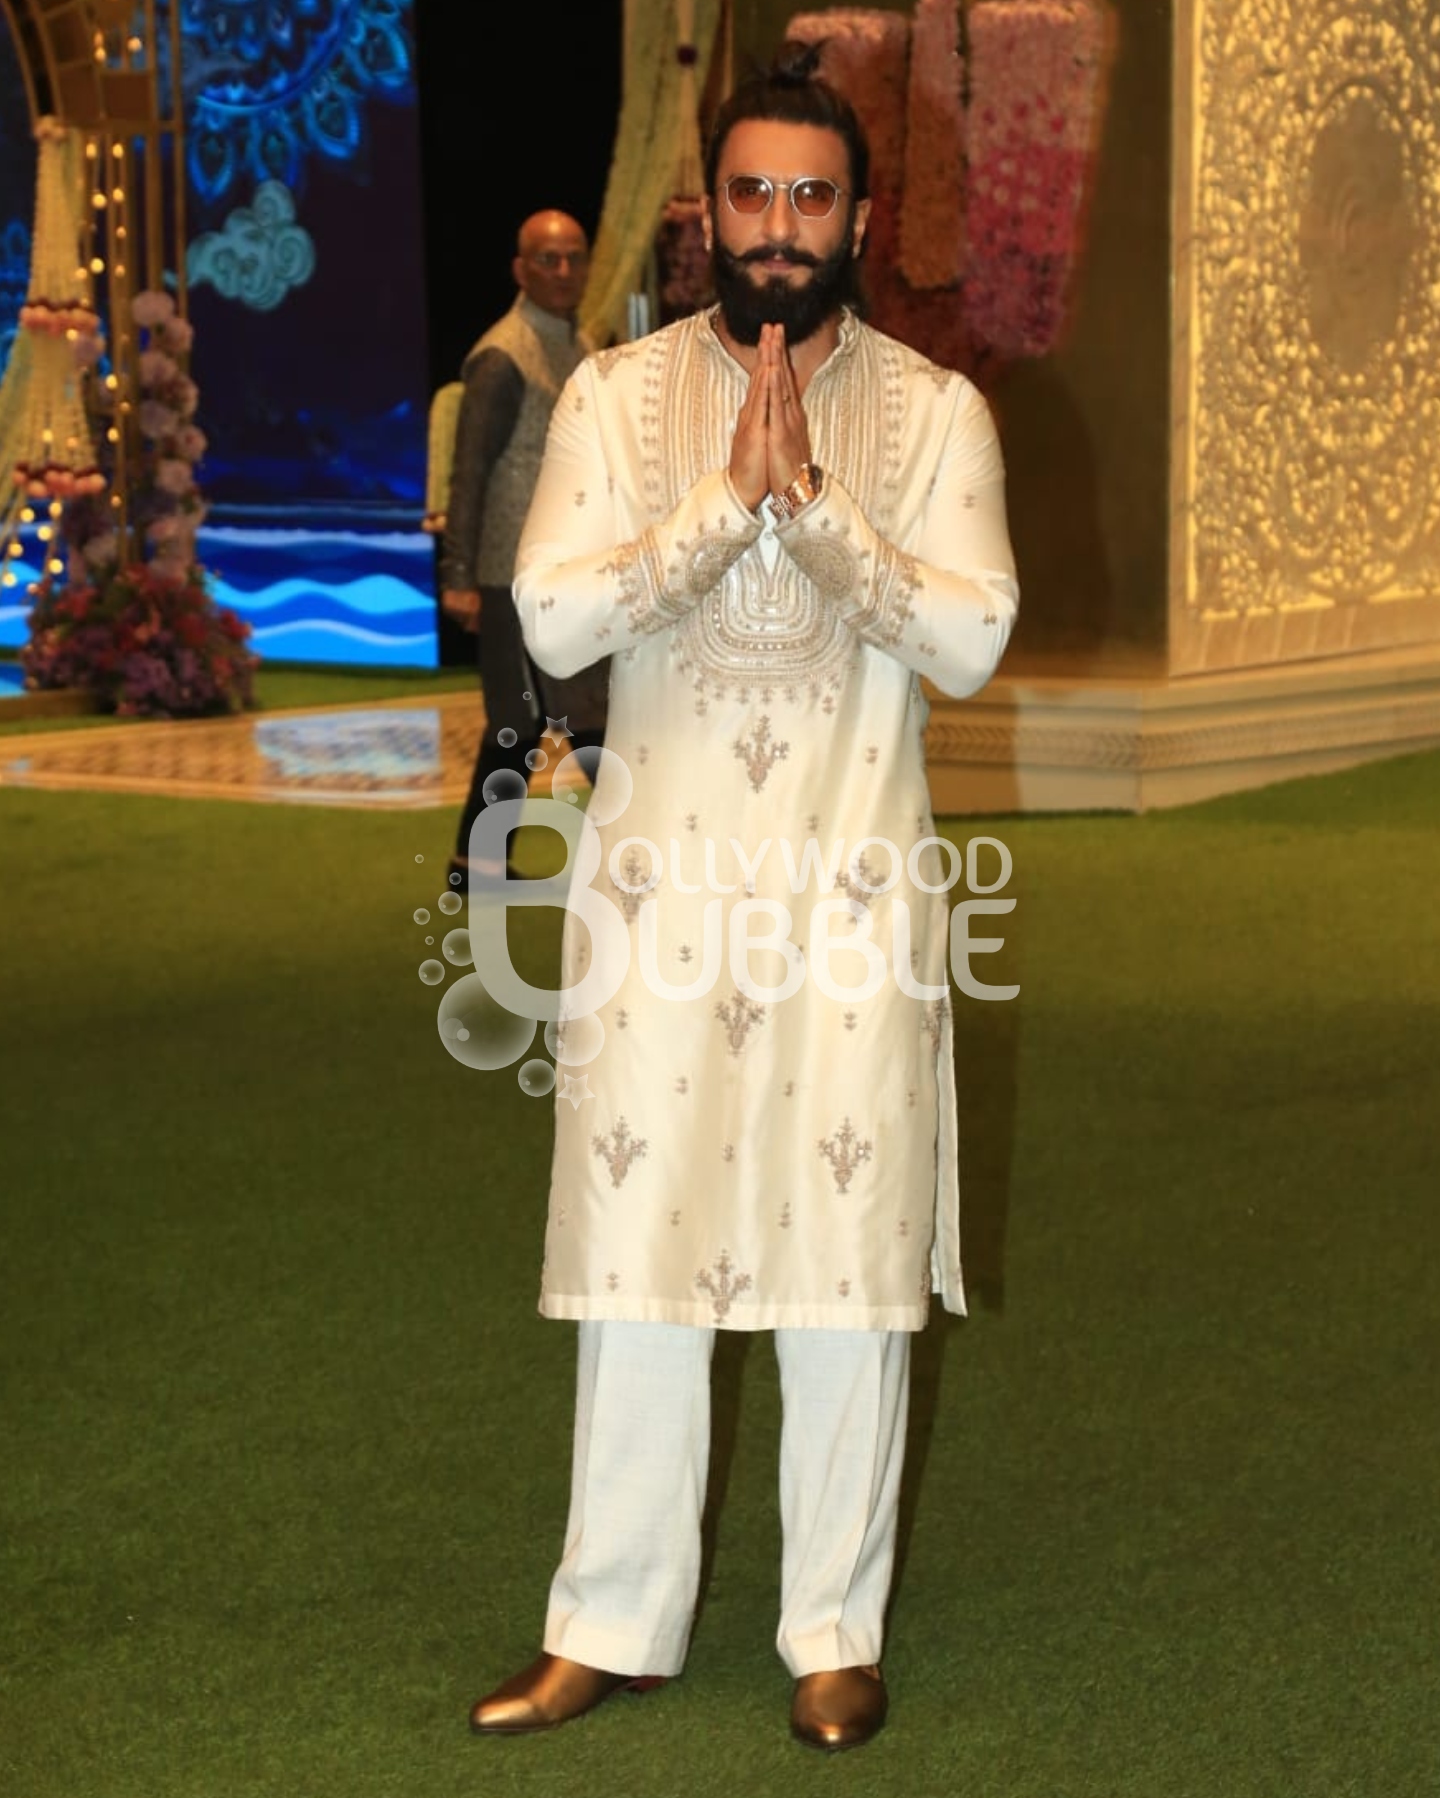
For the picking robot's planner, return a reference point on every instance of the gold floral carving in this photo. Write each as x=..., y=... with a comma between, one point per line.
x=1309, y=378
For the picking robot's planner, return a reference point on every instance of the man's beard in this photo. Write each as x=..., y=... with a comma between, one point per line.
x=802, y=310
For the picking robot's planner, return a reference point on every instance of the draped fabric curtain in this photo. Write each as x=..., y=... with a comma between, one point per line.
x=668, y=46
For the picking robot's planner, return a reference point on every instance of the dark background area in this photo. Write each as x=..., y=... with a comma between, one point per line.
x=504, y=134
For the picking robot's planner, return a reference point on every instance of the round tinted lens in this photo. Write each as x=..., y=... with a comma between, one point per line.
x=748, y=193
x=815, y=198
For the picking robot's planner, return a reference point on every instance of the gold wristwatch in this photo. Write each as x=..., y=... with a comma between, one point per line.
x=806, y=486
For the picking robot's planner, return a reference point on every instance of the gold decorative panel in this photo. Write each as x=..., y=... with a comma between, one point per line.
x=1307, y=416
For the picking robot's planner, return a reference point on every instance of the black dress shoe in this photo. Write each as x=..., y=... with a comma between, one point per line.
x=837, y=1710
x=549, y=1692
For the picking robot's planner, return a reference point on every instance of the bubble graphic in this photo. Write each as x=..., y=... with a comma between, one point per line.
x=421, y=915
x=506, y=738
x=575, y=1041
x=527, y=695
x=503, y=783
x=454, y=880
x=536, y=758
x=536, y=1078
x=609, y=775
x=419, y=858
x=477, y=1030
x=456, y=948
x=428, y=941
x=449, y=903
x=432, y=972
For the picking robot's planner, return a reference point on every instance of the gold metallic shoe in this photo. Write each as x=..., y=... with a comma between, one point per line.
x=549, y=1692
x=836, y=1710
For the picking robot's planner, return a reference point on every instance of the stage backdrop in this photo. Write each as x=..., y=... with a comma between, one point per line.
x=306, y=263
x=307, y=278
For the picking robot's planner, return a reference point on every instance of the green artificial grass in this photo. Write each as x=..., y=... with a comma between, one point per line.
x=280, y=689
x=286, y=1447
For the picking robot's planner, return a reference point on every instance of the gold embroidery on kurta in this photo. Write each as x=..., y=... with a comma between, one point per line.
x=739, y=1015
x=845, y=1153
x=618, y=1150
x=724, y=1285
x=760, y=752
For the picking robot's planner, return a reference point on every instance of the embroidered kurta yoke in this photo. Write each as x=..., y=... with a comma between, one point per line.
x=777, y=1150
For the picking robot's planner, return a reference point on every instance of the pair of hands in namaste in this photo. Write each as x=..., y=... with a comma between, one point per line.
x=772, y=440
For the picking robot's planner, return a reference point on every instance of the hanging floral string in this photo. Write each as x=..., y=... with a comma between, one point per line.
x=1036, y=75
x=932, y=208
x=46, y=453
x=661, y=68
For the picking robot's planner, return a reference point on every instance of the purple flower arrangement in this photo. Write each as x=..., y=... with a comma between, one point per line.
x=144, y=636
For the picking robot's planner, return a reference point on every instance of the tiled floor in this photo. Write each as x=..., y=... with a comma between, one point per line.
x=400, y=753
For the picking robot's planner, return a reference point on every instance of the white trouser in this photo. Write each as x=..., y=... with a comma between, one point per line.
x=623, y=1597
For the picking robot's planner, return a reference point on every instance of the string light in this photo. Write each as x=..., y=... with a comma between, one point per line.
x=97, y=265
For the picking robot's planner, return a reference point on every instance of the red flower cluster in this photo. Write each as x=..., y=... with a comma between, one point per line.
x=146, y=643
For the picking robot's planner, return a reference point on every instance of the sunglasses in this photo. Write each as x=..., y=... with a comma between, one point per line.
x=812, y=196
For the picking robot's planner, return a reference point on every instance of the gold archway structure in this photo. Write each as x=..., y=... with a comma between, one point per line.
x=107, y=74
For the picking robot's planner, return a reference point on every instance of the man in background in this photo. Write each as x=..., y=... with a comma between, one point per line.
x=512, y=378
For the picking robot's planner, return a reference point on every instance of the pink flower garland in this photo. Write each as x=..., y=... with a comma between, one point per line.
x=60, y=318
x=1036, y=68
x=932, y=212
x=867, y=56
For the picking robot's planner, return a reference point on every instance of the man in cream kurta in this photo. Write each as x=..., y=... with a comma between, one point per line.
x=774, y=540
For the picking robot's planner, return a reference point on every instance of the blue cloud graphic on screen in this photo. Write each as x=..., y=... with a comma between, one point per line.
x=258, y=255
x=14, y=281
x=268, y=86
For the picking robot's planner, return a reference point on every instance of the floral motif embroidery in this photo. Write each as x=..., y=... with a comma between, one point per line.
x=604, y=362
x=674, y=1218
x=872, y=752
x=851, y=1020
x=860, y=882
x=845, y=1152
x=739, y=1015
x=843, y=1288
x=686, y=953
x=612, y=1281
x=622, y=1019
x=727, y=1153
x=837, y=570
x=708, y=562
x=618, y=1150
x=760, y=753
x=722, y=1288
x=934, y=1018
x=642, y=876
x=789, y=1089
x=580, y=498
x=903, y=1227
x=691, y=820
x=682, y=1085
x=787, y=1216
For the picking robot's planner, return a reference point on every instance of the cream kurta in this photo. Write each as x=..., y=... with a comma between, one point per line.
x=756, y=1158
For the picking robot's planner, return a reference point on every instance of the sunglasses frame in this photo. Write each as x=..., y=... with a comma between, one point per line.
x=788, y=189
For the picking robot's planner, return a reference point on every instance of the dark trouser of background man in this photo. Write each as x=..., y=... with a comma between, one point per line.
x=521, y=705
